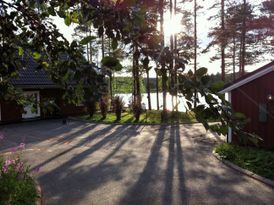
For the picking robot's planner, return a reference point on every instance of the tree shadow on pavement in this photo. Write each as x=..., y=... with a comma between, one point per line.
x=36, y=132
x=76, y=177
x=145, y=190
x=156, y=183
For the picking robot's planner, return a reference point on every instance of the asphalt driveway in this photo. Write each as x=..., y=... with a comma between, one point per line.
x=83, y=163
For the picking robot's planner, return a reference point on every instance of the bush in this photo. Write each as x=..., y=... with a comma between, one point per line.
x=118, y=106
x=259, y=161
x=226, y=151
x=17, y=186
x=164, y=116
x=91, y=106
x=104, y=106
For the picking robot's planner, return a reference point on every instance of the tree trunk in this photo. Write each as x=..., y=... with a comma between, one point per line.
x=136, y=81
x=112, y=71
x=110, y=85
x=175, y=69
x=240, y=57
x=87, y=52
x=138, y=87
x=109, y=46
x=223, y=39
x=195, y=48
x=103, y=46
x=233, y=58
x=164, y=74
x=243, y=37
x=90, y=50
x=148, y=90
x=171, y=65
x=157, y=91
x=87, y=49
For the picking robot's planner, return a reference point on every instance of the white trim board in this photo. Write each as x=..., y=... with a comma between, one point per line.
x=248, y=79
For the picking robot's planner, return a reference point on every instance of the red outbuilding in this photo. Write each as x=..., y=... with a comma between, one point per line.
x=37, y=85
x=253, y=95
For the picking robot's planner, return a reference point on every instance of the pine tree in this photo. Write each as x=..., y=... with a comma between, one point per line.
x=91, y=50
x=245, y=37
x=223, y=39
x=195, y=46
x=163, y=66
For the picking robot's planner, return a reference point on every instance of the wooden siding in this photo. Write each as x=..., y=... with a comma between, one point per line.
x=247, y=98
x=12, y=112
x=67, y=109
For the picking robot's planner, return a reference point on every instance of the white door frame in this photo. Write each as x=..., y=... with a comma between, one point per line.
x=229, y=134
x=27, y=108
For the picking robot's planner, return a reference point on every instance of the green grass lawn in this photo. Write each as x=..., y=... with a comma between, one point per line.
x=152, y=116
x=256, y=160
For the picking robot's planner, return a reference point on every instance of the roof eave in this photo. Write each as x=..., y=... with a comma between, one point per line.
x=32, y=86
x=248, y=79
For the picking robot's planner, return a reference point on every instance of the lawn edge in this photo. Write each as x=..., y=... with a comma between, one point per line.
x=246, y=172
x=131, y=123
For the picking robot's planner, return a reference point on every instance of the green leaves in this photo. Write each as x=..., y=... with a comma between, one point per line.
x=74, y=16
x=36, y=55
x=67, y=20
x=217, y=86
x=71, y=17
x=51, y=11
x=201, y=72
x=112, y=63
x=238, y=115
x=20, y=51
x=17, y=185
x=87, y=39
x=114, y=43
x=45, y=64
x=215, y=107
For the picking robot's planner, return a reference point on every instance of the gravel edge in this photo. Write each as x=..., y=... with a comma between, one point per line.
x=248, y=173
x=39, y=201
x=130, y=123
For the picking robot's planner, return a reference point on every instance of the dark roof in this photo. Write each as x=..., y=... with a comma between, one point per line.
x=31, y=77
x=249, y=74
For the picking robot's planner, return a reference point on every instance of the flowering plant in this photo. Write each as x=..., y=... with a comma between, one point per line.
x=17, y=186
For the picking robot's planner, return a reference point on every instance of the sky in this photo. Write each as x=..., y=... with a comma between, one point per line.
x=203, y=28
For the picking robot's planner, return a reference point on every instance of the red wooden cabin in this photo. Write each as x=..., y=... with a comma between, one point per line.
x=37, y=85
x=253, y=95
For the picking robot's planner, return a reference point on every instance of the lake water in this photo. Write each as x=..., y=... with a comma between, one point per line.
x=181, y=106
x=181, y=101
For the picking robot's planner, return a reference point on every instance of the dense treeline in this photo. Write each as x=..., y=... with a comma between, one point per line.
x=124, y=84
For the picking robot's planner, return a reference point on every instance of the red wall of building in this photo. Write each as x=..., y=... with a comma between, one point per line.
x=247, y=98
x=67, y=109
x=12, y=112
